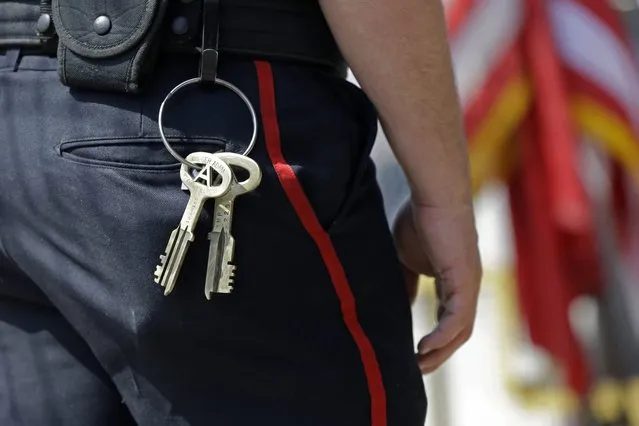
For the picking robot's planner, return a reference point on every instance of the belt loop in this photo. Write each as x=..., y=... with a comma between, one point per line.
x=210, y=40
x=45, y=27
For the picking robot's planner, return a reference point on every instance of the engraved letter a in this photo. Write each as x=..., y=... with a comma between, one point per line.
x=205, y=175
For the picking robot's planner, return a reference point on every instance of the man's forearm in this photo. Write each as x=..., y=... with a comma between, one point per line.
x=398, y=51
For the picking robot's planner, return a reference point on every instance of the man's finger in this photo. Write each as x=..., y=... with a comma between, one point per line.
x=434, y=359
x=446, y=331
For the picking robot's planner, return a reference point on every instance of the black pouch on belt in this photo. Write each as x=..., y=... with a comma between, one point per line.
x=107, y=44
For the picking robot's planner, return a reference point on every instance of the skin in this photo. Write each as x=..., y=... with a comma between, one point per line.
x=398, y=51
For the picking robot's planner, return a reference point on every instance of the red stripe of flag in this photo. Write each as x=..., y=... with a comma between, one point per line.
x=457, y=13
x=556, y=133
x=608, y=16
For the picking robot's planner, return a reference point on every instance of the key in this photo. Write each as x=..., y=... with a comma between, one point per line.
x=201, y=188
x=220, y=269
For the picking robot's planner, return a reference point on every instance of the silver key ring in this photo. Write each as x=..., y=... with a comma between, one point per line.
x=196, y=80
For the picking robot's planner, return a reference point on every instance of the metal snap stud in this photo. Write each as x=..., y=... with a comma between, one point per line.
x=44, y=23
x=102, y=25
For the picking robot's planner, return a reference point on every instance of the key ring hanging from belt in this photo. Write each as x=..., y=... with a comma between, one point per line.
x=208, y=75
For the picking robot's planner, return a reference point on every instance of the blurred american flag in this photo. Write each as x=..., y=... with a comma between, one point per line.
x=536, y=79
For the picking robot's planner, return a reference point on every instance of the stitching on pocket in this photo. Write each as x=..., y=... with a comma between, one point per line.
x=64, y=151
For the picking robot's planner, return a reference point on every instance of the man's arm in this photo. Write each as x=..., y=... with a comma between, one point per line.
x=398, y=51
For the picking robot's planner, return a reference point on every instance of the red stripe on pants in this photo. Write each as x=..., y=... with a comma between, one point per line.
x=307, y=216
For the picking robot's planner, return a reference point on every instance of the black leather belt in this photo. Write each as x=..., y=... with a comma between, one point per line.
x=272, y=29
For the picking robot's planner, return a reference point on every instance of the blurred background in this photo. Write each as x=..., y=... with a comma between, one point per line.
x=550, y=90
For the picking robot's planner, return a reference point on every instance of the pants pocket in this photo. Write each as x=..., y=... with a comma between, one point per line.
x=361, y=178
x=136, y=153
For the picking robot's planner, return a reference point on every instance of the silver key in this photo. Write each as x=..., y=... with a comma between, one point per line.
x=201, y=188
x=220, y=269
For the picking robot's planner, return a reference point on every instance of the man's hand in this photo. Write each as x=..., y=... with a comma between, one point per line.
x=441, y=242
x=412, y=85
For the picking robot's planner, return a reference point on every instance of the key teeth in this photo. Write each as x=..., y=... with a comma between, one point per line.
x=159, y=269
x=231, y=279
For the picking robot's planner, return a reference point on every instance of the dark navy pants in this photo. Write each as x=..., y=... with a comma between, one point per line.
x=318, y=329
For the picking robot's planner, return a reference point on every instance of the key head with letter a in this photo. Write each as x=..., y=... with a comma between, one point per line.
x=213, y=168
x=203, y=186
